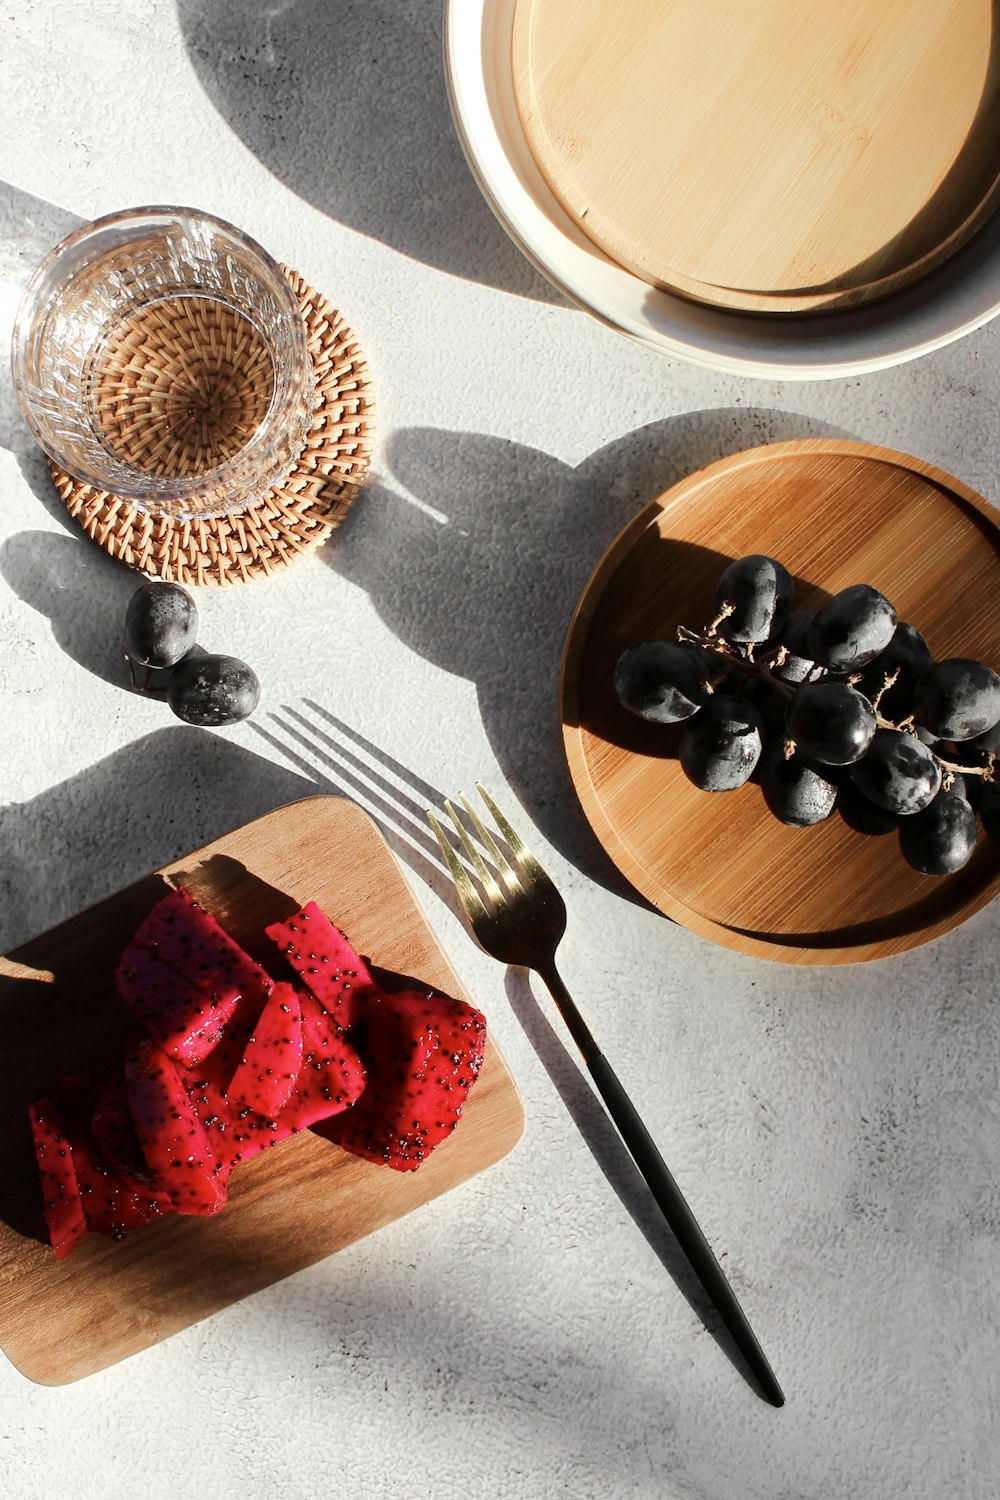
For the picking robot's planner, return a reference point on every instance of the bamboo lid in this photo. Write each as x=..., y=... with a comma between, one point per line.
x=776, y=157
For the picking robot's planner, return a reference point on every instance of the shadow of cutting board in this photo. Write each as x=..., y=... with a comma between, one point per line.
x=288, y=1208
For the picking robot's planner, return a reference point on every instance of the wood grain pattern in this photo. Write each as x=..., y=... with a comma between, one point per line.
x=835, y=513
x=288, y=1208
x=771, y=157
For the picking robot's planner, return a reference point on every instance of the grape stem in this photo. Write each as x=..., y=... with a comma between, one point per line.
x=710, y=641
x=746, y=664
x=728, y=608
x=140, y=687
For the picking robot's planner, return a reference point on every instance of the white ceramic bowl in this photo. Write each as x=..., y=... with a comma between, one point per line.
x=959, y=296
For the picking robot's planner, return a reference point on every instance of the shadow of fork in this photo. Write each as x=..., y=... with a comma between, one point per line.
x=340, y=760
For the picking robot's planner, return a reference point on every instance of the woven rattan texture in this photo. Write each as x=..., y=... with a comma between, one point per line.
x=293, y=518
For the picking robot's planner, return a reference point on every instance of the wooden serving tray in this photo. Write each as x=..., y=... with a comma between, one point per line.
x=775, y=156
x=835, y=513
x=289, y=1207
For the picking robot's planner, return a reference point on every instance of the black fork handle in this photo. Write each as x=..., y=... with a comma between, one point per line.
x=660, y=1181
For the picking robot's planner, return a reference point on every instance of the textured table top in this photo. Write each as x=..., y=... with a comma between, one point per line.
x=837, y=1132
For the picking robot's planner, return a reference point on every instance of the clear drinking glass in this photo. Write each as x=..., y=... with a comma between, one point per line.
x=160, y=354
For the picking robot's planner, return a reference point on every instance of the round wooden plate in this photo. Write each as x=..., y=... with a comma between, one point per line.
x=771, y=157
x=835, y=513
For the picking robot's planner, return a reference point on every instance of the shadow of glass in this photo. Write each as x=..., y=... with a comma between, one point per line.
x=346, y=104
x=482, y=575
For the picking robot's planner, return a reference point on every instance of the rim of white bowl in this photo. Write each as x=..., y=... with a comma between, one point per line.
x=953, y=300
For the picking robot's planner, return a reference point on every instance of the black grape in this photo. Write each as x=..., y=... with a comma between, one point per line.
x=769, y=703
x=987, y=743
x=957, y=699
x=898, y=773
x=861, y=814
x=661, y=681
x=161, y=625
x=213, y=690
x=721, y=745
x=794, y=635
x=760, y=589
x=940, y=839
x=908, y=655
x=852, y=629
x=795, y=791
x=830, y=722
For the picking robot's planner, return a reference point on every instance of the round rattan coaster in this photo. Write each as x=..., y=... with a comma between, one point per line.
x=292, y=518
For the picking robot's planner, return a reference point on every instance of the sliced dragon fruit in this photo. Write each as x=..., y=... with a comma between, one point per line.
x=113, y=1129
x=272, y=1056
x=112, y=1202
x=332, y=1076
x=172, y=1136
x=183, y=976
x=63, y=1208
x=235, y=1132
x=423, y=1052
x=323, y=958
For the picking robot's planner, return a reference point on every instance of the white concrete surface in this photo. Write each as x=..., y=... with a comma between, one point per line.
x=838, y=1132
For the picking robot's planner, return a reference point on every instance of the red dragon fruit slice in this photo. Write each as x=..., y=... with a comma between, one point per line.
x=117, y=1141
x=112, y=1202
x=173, y=1138
x=332, y=1076
x=183, y=976
x=272, y=1056
x=423, y=1052
x=234, y=1132
x=323, y=958
x=330, y=1079
x=63, y=1209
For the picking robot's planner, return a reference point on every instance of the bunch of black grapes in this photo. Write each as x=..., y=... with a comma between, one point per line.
x=161, y=627
x=843, y=707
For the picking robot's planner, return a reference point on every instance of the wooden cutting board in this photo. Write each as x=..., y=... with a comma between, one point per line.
x=774, y=156
x=835, y=513
x=288, y=1208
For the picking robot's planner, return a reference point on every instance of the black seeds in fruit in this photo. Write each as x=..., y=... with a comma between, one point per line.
x=940, y=839
x=721, y=745
x=161, y=625
x=213, y=690
x=662, y=681
x=760, y=590
x=957, y=699
x=898, y=773
x=830, y=722
x=852, y=629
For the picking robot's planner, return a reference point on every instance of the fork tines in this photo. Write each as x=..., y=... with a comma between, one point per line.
x=513, y=879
